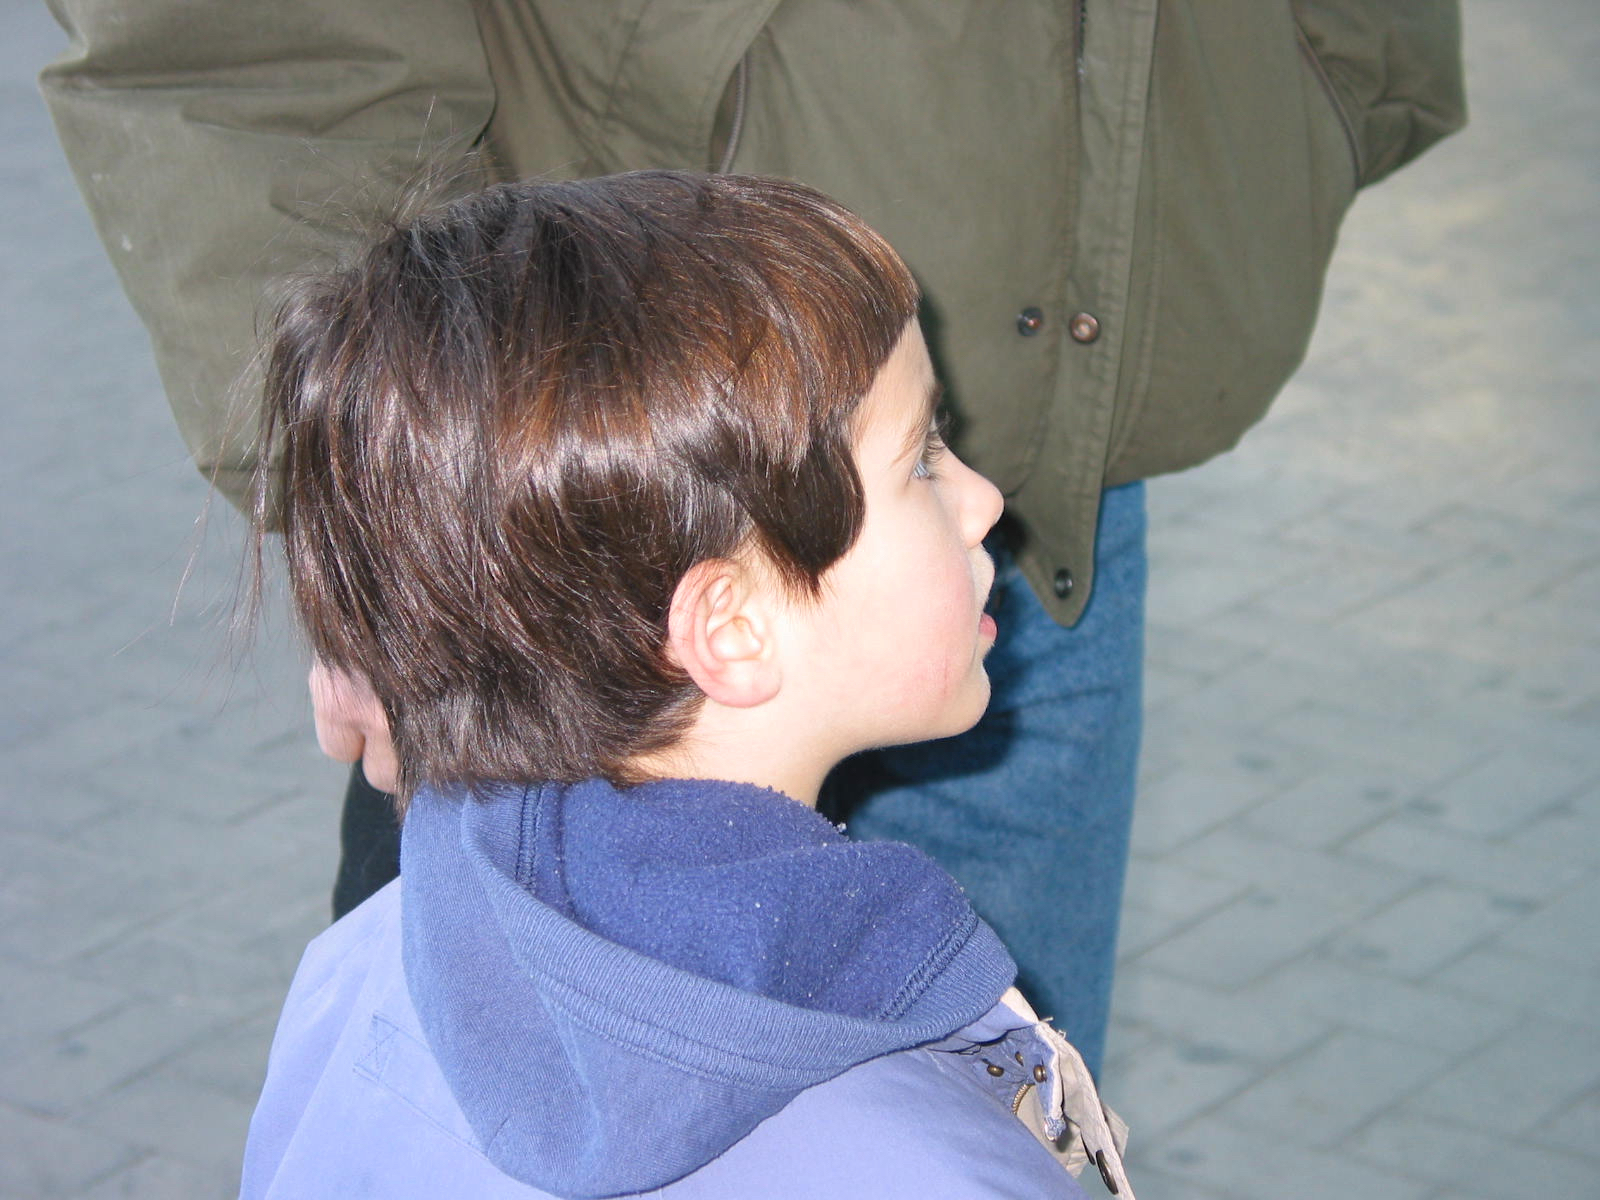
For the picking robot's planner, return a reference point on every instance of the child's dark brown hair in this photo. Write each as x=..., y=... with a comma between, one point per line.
x=511, y=427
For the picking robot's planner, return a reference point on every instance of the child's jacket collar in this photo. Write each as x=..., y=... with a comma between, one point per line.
x=620, y=985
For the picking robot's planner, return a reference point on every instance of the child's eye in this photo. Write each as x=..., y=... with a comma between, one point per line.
x=933, y=450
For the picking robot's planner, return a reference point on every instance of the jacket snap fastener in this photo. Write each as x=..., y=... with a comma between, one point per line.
x=996, y=1071
x=1029, y=321
x=1105, y=1172
x=1084, y=327
x=1039, y=1074
x=1062, y=584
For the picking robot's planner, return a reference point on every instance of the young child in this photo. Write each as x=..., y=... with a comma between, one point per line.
x=628, y=497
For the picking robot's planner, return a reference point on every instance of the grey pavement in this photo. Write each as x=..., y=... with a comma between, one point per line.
x=1359, y=952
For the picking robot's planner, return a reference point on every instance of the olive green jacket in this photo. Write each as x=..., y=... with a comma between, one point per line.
x=1120, y=210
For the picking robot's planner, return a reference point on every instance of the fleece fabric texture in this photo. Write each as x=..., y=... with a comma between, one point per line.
x=620, y=985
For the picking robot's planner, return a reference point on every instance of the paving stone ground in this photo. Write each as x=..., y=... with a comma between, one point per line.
x=1359, y=953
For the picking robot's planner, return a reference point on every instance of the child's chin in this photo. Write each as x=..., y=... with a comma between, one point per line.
x=970, y=714
x=958, y=715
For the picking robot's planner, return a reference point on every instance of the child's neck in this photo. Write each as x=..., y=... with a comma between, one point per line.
x=782, y=764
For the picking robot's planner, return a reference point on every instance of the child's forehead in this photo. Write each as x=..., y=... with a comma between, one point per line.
x=904, y=395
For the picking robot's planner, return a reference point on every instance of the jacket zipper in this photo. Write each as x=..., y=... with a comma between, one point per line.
x=1016, y=1101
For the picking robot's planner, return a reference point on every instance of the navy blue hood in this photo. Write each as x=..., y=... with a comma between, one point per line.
x=620, y=984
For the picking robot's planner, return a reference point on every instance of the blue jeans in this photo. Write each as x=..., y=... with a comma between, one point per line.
x=1030, y=809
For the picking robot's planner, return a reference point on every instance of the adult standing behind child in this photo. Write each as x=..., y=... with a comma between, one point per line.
x=1120, y=210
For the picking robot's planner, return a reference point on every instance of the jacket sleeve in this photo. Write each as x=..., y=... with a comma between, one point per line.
x=219, y=145
x=1393, y=68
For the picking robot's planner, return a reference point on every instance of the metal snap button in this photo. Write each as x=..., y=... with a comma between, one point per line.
x=1062, y=583
x=1029, y=321
x=1084, y=327
x=1105, y=1172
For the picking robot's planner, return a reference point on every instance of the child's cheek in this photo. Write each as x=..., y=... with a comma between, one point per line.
x=950, y=639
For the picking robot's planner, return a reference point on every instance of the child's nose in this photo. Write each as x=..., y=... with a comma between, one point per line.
x=981, y=505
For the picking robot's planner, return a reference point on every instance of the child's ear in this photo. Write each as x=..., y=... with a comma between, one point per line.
x=721, y=631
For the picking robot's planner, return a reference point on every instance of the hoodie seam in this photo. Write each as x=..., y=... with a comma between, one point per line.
x=373, y=1066
x=793, y=1076
x=934, y=964
x=532, y=814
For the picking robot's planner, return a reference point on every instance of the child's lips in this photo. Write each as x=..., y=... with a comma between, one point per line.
x=986, y=623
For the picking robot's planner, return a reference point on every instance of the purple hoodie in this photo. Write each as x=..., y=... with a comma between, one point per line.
x=688, y=989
